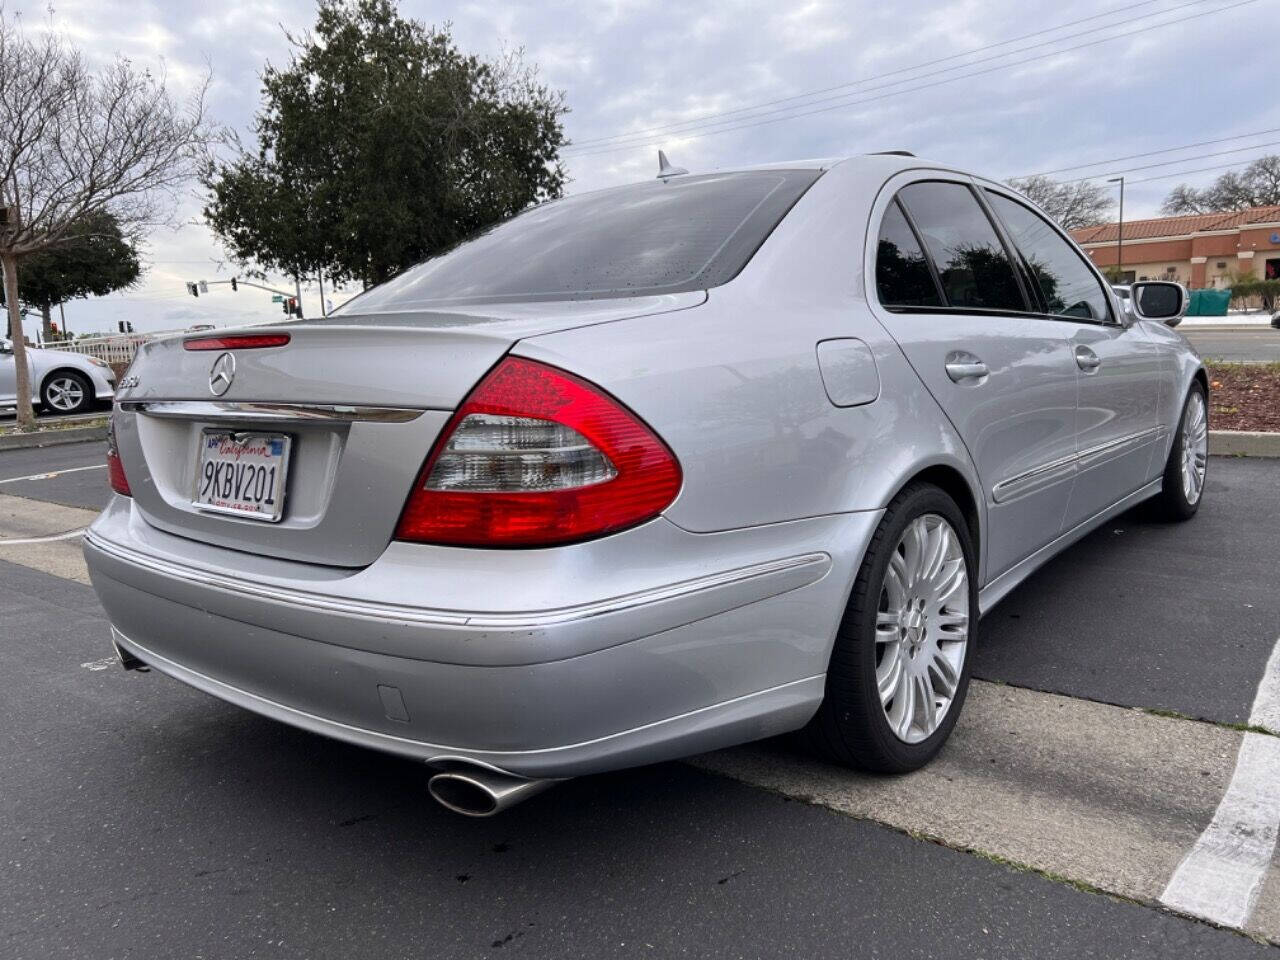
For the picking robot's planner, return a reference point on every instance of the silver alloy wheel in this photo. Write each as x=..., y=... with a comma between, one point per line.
x=1195, y=447
x=64, y=393
x=922, y=628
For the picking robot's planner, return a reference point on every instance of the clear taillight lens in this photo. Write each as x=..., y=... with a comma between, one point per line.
x=536, y=456
x=493, y=454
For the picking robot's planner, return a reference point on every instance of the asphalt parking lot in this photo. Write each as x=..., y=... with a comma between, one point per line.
x=140, y=818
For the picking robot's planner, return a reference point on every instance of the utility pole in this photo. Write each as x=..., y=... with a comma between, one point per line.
x=66, y=334
x=1120, y=231
x=320, y=280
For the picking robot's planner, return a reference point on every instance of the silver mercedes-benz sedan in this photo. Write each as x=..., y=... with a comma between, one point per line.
x=646, y=472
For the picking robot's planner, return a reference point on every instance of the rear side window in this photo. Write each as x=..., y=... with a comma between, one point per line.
x=903, y=277
x=686, y=233
x=1068, y=287
x=972, y=262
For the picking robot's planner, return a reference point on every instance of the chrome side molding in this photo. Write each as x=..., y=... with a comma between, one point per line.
x=1055, y=470
x=265, y=411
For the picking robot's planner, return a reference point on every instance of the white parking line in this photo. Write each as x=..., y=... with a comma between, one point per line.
x=1219, y=880
x=69, y=535
x=1266, y=702
x=55, y=473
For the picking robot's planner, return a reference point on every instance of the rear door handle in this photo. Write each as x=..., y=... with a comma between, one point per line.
x=1086, y=359
x=965, y=366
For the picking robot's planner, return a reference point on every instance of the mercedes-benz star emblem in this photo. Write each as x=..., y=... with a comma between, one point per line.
x=221, y=374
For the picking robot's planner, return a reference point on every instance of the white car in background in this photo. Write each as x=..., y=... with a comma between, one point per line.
x=61, y=382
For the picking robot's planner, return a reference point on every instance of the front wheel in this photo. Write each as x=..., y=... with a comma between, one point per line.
x=899, y=671
x=1184, y=472
x=67, y=392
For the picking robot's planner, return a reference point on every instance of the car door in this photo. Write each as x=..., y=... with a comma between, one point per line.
x=949, y=292
x=8, y=375
x=1119, y=368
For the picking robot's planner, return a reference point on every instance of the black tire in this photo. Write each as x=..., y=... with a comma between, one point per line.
x=53, y=384
x=1173, y=502
x=851, y=727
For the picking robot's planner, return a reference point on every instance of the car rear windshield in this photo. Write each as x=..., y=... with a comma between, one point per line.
x=686, y=233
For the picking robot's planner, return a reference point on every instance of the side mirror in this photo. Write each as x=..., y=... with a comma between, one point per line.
x=1159, y=300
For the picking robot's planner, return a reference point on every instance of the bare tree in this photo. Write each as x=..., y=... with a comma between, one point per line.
x=77, y=143
x=1082, y=203
x=1257, y=185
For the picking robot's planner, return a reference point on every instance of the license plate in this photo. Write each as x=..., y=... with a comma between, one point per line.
x=242, y=474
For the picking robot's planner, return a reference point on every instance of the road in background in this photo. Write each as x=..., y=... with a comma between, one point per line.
x=1260, y=345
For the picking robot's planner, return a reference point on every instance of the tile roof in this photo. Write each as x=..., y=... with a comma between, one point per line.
x=1177, y=226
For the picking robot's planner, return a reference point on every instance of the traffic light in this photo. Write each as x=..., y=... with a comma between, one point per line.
x=191, y=289
x=233, y=284
x=293, y=310
x=125, y=326
x=204, y=286
x=284, y=305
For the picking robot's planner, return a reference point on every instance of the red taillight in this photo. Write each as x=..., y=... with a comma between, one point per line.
x=239, y=341
x=536, y=456
x=115, y=469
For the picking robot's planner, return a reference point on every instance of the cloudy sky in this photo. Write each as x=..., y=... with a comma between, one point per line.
x=1002, y=87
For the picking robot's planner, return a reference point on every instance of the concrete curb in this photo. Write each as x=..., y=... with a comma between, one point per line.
x=1244, y=443
x=52, y=438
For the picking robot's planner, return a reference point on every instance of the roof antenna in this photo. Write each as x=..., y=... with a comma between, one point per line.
x=665, y=169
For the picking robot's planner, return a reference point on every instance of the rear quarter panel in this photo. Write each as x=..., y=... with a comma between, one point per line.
x=734, y=386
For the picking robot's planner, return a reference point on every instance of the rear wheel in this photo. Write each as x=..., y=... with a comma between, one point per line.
x=899, y=671
x=67, y=392
x=1184, y=473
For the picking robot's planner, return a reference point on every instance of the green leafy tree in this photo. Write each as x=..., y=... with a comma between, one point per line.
x=381, y=144
x=1257, y=185
x=93, y=259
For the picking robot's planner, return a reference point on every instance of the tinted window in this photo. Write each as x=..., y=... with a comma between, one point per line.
x=1068, y=286
x=903, y=277
x=687, y=233
x=971, y=261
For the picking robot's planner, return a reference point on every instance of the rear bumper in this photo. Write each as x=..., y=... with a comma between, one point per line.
x=699, y=642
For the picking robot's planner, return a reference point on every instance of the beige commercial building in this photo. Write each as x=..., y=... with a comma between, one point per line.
x=1204, y=250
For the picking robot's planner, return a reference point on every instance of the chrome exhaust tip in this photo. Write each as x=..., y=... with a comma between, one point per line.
x=477, y=792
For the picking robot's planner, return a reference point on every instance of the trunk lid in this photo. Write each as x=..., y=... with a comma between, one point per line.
x=361, y=400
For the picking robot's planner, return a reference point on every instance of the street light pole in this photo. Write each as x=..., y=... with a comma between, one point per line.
x=1120, y=231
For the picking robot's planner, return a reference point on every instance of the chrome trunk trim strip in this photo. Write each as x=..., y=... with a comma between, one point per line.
x=267, y=412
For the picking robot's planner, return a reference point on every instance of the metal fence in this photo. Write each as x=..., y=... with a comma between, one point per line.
x=115, y=349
